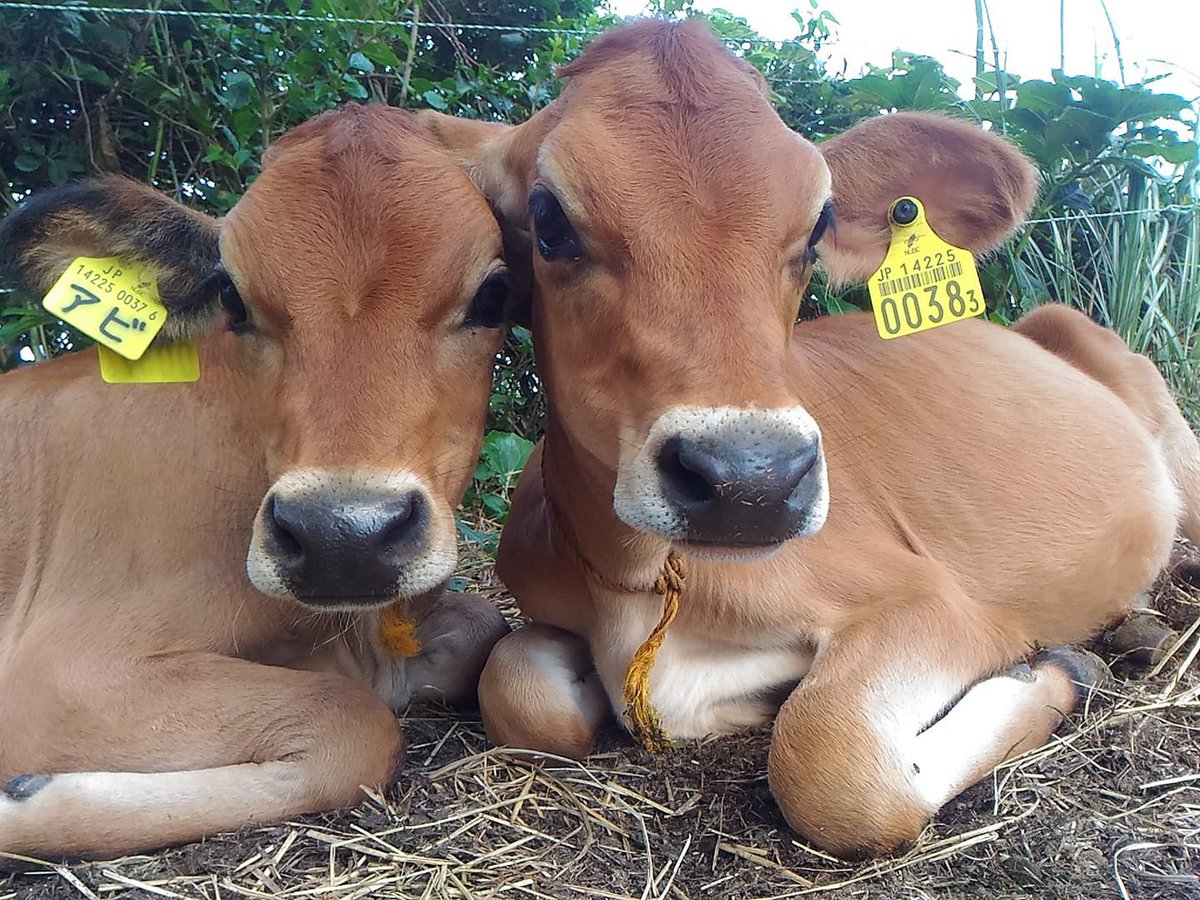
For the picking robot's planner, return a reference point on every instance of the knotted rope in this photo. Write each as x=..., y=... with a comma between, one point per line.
x=643, y=718
x=644, y=722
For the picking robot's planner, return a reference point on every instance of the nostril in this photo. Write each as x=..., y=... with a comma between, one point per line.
x=406, y=519
x=687, y=473
x=805, y=460
x=282, y=530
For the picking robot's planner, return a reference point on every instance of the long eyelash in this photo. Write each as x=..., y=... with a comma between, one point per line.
x=829, y=217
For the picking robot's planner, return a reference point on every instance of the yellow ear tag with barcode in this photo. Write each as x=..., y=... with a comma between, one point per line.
x=115, y=303
x=924, y=282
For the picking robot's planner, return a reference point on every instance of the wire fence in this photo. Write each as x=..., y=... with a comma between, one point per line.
x=288, y=17
x=405, y=22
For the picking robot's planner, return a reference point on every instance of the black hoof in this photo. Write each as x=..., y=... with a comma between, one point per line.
x=1184, y=567
x=1087, y=670
x=25, y=786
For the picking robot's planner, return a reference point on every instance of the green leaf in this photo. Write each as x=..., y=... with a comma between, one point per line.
x=434, y=99
x=484, y=539
x=87, y=72
x=1043, y=97
x=360, y=62
x=505, y=453
x=496, y=505
x=381, y=54
x=354, y=88
x=27, y=162
x=116, y=38
x=238, y=89
x=836, y=306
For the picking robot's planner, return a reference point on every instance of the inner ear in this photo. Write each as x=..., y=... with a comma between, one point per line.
x=210, y=302
x=975, y=186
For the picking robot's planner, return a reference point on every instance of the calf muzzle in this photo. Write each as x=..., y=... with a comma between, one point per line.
x=330, y=545
x=734, y=494
x=726, y=477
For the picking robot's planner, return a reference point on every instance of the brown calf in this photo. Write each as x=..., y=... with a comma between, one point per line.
x=965, y=498
x=150, y=693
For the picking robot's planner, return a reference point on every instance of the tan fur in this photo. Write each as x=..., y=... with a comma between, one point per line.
x=134, y=654
x=987, y=497
x=1071, y=335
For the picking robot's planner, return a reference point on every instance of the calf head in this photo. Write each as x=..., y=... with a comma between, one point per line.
x=361, y=278
x=673, y=223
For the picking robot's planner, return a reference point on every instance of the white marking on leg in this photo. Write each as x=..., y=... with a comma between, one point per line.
x=945, y=758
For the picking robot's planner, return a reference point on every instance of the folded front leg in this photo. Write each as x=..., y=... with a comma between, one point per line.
x=900, y=715
x=540, y=691
x=170, y=749
x=455, y=640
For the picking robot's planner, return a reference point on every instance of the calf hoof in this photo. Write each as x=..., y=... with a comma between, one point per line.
x=1185, y=566
x=456, y=637
x=24, y=786
x=1086, y=670
x=1142, y=639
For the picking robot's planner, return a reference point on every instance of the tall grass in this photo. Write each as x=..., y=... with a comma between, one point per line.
x=1136, y=271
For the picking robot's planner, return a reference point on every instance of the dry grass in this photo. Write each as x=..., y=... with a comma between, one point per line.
x=1111, y=808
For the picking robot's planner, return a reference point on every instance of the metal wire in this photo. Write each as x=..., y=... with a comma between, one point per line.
x=280, y=17
x=336, y=20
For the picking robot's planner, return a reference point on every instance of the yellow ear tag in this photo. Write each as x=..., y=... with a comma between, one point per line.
x=116, y=303
x=160, y=364
x=923, y=282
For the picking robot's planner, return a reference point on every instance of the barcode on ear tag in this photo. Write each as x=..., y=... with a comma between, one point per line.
x=924, y=282
x=160, y=364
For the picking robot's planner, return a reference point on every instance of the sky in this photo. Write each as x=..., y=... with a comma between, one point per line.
x=1157, y=36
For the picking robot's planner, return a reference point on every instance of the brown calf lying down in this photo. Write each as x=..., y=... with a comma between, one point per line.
x=880, y=538
x=150, y=693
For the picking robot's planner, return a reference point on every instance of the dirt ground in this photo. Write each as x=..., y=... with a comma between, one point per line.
x=1111, y=808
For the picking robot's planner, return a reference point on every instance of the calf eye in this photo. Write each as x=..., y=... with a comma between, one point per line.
x=490, y=303
x=235, y=309
x=824, y=221
x=556, y=239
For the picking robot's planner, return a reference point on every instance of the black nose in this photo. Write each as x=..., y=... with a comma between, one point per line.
x=345, y=544
x=741, y=494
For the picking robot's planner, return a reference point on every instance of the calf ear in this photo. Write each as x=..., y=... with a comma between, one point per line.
x=976, y=187
x=496, y=157
x=114, y=216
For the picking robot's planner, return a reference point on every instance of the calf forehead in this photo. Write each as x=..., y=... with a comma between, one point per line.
x=657, y=173
x=392, y=219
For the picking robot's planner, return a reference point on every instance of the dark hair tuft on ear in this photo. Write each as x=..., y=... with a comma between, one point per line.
x=114, y=216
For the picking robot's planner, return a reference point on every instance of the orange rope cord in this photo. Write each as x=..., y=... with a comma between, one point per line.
x=397, y=634
x=644, y=722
